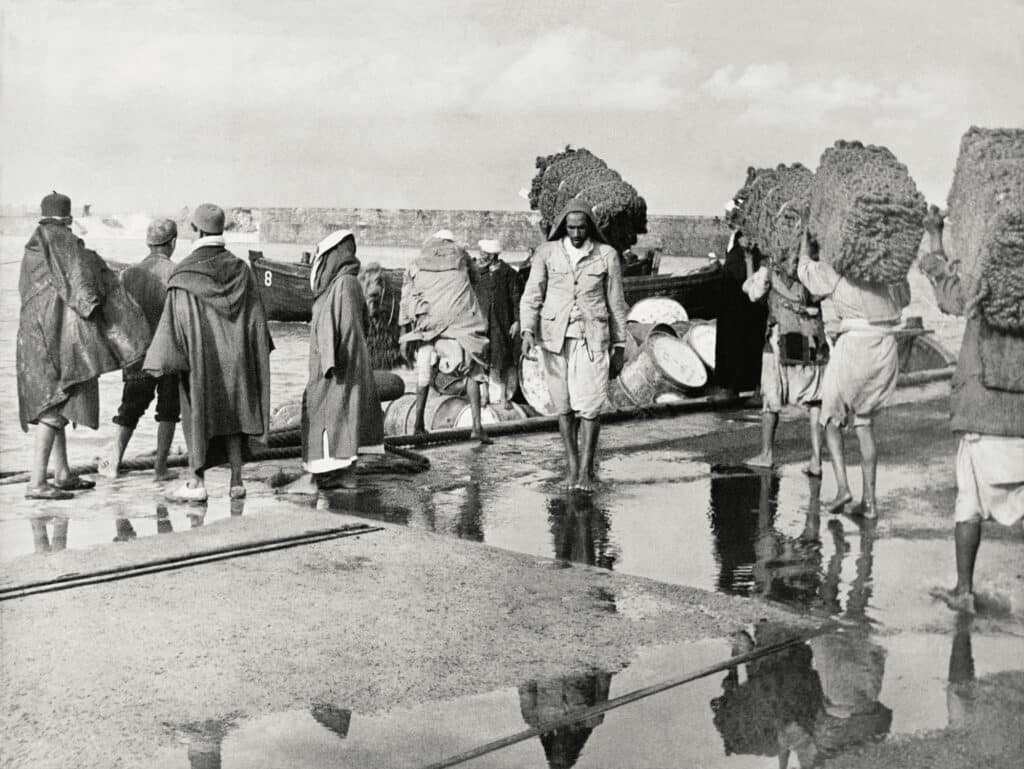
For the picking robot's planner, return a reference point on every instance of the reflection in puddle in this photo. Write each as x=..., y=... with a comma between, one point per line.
x=729, y=529
x=813, y=701
x=52, y=533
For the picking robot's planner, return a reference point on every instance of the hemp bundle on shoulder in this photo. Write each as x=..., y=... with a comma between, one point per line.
x=770, y=206
x=986, y=222
x=866, y=213
x=620, y=211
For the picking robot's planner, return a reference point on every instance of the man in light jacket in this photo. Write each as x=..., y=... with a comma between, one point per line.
x=574, y=303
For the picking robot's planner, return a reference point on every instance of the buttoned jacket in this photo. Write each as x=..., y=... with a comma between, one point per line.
x=593, y=284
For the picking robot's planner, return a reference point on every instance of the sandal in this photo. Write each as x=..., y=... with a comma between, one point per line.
x=46, y=491
x=74, y=483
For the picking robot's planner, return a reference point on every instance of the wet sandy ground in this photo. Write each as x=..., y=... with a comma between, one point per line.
x=492, y=601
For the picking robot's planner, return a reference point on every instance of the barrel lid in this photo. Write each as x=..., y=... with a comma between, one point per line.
x=678, y=361
x=657, y=309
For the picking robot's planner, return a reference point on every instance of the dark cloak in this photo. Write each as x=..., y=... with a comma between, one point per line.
x=341, y=397
x=214, y=328
x=740, y=336
x=497, y=291
x=76, y=323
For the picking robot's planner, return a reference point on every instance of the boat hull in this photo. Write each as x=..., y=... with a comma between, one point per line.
x=284, y=287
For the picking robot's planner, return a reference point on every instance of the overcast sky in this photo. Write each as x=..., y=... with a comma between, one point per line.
x=150, y=106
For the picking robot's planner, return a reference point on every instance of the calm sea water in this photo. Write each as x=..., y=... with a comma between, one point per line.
x=288, y=361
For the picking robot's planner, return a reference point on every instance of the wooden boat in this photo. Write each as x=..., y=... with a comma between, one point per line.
x=287, y=297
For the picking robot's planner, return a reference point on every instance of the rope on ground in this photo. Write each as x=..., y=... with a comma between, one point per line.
x=630, y=697
x=69, y=581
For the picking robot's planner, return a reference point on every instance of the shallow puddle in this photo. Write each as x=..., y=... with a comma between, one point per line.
x=676, y=518
x=817, y=699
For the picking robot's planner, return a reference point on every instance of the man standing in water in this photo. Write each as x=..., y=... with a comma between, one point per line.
x=75, y=324
x=987, y=409
x=215, y=331
x=573, y=300
x=146, y=282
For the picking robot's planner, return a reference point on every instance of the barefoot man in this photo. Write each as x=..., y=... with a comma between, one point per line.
x=861, y=374
x=146, y=283
x=444, y=326
x=987, y=405
x=573, y=301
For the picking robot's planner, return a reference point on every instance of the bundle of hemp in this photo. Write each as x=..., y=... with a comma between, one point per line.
x=866, y=213
x=771, y=206
x=984, y=202
x=1000, y=290
x=619, y=210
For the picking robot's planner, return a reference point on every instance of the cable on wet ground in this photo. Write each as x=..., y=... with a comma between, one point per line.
x=630, y=697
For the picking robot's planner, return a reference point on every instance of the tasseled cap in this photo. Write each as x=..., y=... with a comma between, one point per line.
x=56, y=204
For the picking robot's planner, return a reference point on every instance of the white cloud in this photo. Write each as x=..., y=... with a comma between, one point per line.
x=771, y=94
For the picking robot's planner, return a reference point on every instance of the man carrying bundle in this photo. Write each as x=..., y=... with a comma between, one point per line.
x=861, y=375
x=443, y=324
x=987, y=402
x=213, y=330
x=574, y=301
x=794, y=359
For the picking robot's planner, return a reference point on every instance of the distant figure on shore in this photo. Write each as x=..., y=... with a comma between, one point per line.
x=793, y=364
x=146, y=283
x=444, y=326
x=341, y=414
x=76, y=322
x=862, y=370
x=987, y=407
x=739, y=340
x=214, y=329
x=497, y=291
x=574, y=302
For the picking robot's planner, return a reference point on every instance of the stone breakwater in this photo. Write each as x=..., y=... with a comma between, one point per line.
x=692, y=236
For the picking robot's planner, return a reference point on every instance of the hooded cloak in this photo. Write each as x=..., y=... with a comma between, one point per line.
x=214, y=328
x=341, y=414
x=76, y=323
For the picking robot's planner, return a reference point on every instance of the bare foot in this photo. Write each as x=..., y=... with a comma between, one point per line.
x=761, y=460
x=836, y=506
x=164, y=475
x=959, y=601
x=419, y=430
x=480, y=437
x=865, y=510
x=107, y=468
x=584, y=483
x=569, y=481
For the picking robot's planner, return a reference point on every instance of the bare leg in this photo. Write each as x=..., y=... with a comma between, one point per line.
x=61, y=468
x=869, y=469
x=967, y=536
x=567, y=429
x=45, y=436
x=234, y=446
x=769, y=423
x=814, y=466
x=834, y=439
x=164, y=438
x=473, y=391
x=421, y=409
x=590, y=429
x=968, y=540
x=109, y=466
